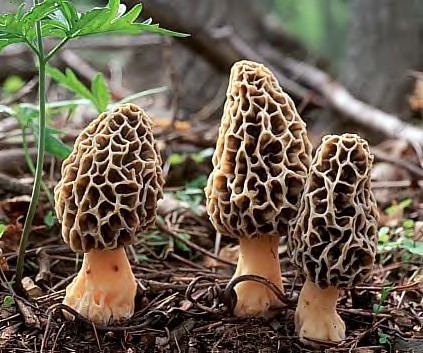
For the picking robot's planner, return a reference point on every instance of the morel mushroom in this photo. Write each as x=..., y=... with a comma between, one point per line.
x=108, y=192
x=334, y=237
x=260, y=165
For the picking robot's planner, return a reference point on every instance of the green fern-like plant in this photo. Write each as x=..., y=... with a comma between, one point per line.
x=59, y=19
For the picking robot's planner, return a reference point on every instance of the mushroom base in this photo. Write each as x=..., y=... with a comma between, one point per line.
x=104, y=289
x=258, y=256
x=316, y=316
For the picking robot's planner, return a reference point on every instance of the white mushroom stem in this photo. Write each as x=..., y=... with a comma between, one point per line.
x=257, y=256
x=104, y=289
x=316, y=316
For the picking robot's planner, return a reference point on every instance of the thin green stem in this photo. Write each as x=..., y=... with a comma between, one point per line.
x=32, y=46
x=56, y=48
x=31, y=167
x=40, y=156
x=28, y=160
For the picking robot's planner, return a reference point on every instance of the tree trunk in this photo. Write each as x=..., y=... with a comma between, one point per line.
x=384, y=43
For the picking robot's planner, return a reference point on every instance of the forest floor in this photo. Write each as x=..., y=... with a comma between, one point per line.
x=179, y=304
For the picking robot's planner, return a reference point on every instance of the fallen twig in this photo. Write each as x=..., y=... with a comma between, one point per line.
x=344, y=102
x=414, y=169
x=14, y=185
x=44, y=273
x=192, y=245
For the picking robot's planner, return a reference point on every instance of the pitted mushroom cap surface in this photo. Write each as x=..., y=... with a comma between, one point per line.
x=333, y=240
x=111, y=181
x=261, y=159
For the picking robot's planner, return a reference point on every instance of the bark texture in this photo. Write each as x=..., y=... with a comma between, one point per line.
x=384, y=42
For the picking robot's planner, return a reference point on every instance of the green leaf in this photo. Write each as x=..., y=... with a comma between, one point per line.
x=112, y=18
x=383, y=235
x=377, y=308
x=385, y=292
x=384, y=338
x=37, y=13
x=143, y=257
x=65, y=18
x=70, y=81
x=49, y=219
x=7, y=110
x=405, y=257
x=415, y=247
x=11, y=29
x=20, y=27
x=2, y=229
x=198, y=183
x=8, y=301
x=182, y=246
x=405, y=203
x=25, y=113
x=54, y=145
x=408, y=223
x=13, y=84
x=101, y=93
x=391, y=210
x=175, y=159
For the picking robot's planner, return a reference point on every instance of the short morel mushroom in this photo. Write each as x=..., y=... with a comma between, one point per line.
x=108, y=192
x=260, y=166
x=333, y=240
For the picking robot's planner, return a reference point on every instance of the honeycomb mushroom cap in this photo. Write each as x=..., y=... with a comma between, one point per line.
x=261, y=159
x=333, y=239
x=110, y=182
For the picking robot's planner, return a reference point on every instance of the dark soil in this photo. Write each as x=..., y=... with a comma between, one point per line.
x=165, y=321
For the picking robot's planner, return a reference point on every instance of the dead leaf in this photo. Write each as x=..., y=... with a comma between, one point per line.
x=388, y=172
x=418, y=231
x=8, y=334
x=31, y=288
x=169, y=204
x=416, y=99
x=15, y=207
x=3, y=262
x=30, y=319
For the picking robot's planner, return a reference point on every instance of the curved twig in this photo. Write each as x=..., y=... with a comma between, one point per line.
x=151, y=317
x=229, y=295
x=217, y=295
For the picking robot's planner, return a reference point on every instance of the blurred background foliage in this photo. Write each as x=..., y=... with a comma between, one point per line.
x=320, y=24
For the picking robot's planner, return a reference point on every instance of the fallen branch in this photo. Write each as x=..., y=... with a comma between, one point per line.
x=412, y=168
x=344, y=102
x=14, y=185
x=13, y=160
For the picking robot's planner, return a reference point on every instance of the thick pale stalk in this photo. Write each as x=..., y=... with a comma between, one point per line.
x=316, y=316
x=257, y=256
x=104, y=289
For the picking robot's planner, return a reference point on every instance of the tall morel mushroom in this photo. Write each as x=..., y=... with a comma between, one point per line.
x=333, y=240
x=108, y=192
x=260, y=164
